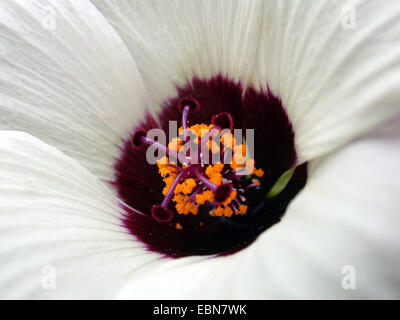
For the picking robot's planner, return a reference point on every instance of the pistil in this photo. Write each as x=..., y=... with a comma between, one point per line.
x=193, y=182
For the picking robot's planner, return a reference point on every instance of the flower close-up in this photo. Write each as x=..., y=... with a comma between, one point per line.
x=199, y=149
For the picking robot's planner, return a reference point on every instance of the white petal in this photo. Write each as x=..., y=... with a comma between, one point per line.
x=173, y=41
x=336, y=82
x=348, y=215
x=56, y=216
x=69, y=81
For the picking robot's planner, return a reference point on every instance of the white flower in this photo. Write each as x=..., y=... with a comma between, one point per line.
x=74, y=85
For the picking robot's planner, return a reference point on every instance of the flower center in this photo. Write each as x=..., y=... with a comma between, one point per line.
x=191, y=180
x=209, y=190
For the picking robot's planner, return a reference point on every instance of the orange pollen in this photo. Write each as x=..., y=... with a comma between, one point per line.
x=190, y=193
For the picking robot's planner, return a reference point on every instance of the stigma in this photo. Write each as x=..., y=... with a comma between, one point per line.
x=204, y=168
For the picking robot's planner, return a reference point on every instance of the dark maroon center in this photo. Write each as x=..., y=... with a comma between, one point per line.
x=140, y=185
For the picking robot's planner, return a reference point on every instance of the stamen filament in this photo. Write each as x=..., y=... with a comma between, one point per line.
x=165, y=149
x=193, y=195
x=185, y=113
x=213, y=187
x=171, y=190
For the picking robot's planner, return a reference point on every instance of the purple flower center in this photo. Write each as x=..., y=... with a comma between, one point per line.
x=161, y=226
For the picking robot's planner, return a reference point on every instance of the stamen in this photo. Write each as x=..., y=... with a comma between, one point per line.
x=161, y=213
x=221, y=192
x=137, y=138
x=213, y=187
x=171, y=190
x=193, y=196
x=184, y=122
x=223, y=120
x=185, y=106
x=193, y=104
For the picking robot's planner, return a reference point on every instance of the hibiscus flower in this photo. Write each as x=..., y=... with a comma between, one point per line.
x=83, y=214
